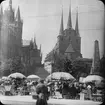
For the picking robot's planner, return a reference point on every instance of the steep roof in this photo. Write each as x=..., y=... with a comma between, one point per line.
x=41, y=72
x=69, y=49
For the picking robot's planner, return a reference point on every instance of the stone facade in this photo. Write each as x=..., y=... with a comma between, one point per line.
x=10, y=33
x=31, y=55
x=11, y=44
x=95, y=69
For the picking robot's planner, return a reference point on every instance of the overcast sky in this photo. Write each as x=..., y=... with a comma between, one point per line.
x=41, y=18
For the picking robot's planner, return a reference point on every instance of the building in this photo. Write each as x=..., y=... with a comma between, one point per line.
x=95, y=69
x=11, y=43
x=31, y=55
x=10, y=32
x=68, y=41
x=69, y=45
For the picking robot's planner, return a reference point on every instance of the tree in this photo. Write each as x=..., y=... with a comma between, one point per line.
x=17, y=65
x=59, y=62
x=11, y=65
x=67, y=65
x=80, y=68
x=102, y=66
x=5, y=67
x=62, y=63
x=77, y=68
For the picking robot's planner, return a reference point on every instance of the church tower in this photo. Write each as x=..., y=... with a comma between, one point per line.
x=1, y=17
x=78, y=38
x=61, y=31
x=61, y=34
x=69, y=23
x=95, y=69
x=19, y=27
x=11, y=32
x=69, y=40
x=34, y=43
x=10, y=13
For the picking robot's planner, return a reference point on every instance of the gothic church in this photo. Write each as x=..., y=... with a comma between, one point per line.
x=11, y=43
x=68, y=40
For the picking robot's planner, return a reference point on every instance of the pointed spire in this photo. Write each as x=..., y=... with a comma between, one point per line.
x=35, y=46
x=34, y=40
x=69, y=24
x=76, y=26
x=41, y=55
x=18, y=15
x=1, y=11
x=31, y=44
x=10, y=2
x=10, y=5
x=1, y=15
x=40, y=50
x=61, y=26
x=96, y=59
x=40, y=47
x=31, y=41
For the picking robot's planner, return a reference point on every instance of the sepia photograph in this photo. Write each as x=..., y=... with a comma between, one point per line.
x=52, y=52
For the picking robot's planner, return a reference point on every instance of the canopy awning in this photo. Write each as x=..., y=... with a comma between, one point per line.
x=16, y=75
x=33, y=77
x=60, y=76
x=91, y=78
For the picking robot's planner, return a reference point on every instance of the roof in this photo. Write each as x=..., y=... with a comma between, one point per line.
x=84, y=59
x=26, y=42
x=49, y=56
x=41, y=72
x=69, y=49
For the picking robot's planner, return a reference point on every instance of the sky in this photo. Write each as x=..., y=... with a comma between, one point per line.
x=41, y=18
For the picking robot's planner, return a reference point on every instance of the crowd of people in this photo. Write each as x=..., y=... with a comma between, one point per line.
x=44, y=90
x=75, y=90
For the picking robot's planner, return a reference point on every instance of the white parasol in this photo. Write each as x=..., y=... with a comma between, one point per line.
x=5, y=78
x=33, y=77
x=16, y=75
x=60, y=75
x=91, y=78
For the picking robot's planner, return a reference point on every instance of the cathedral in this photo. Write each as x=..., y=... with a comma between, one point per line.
x=69, y=45
x=68, y=40
x=10, y=32
x=31, y=55
x=11, y=43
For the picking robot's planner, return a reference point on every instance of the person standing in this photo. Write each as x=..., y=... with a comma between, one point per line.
x=42, y=91
x=89, y=93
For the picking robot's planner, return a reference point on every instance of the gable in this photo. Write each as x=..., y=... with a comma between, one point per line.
x=69, y=49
